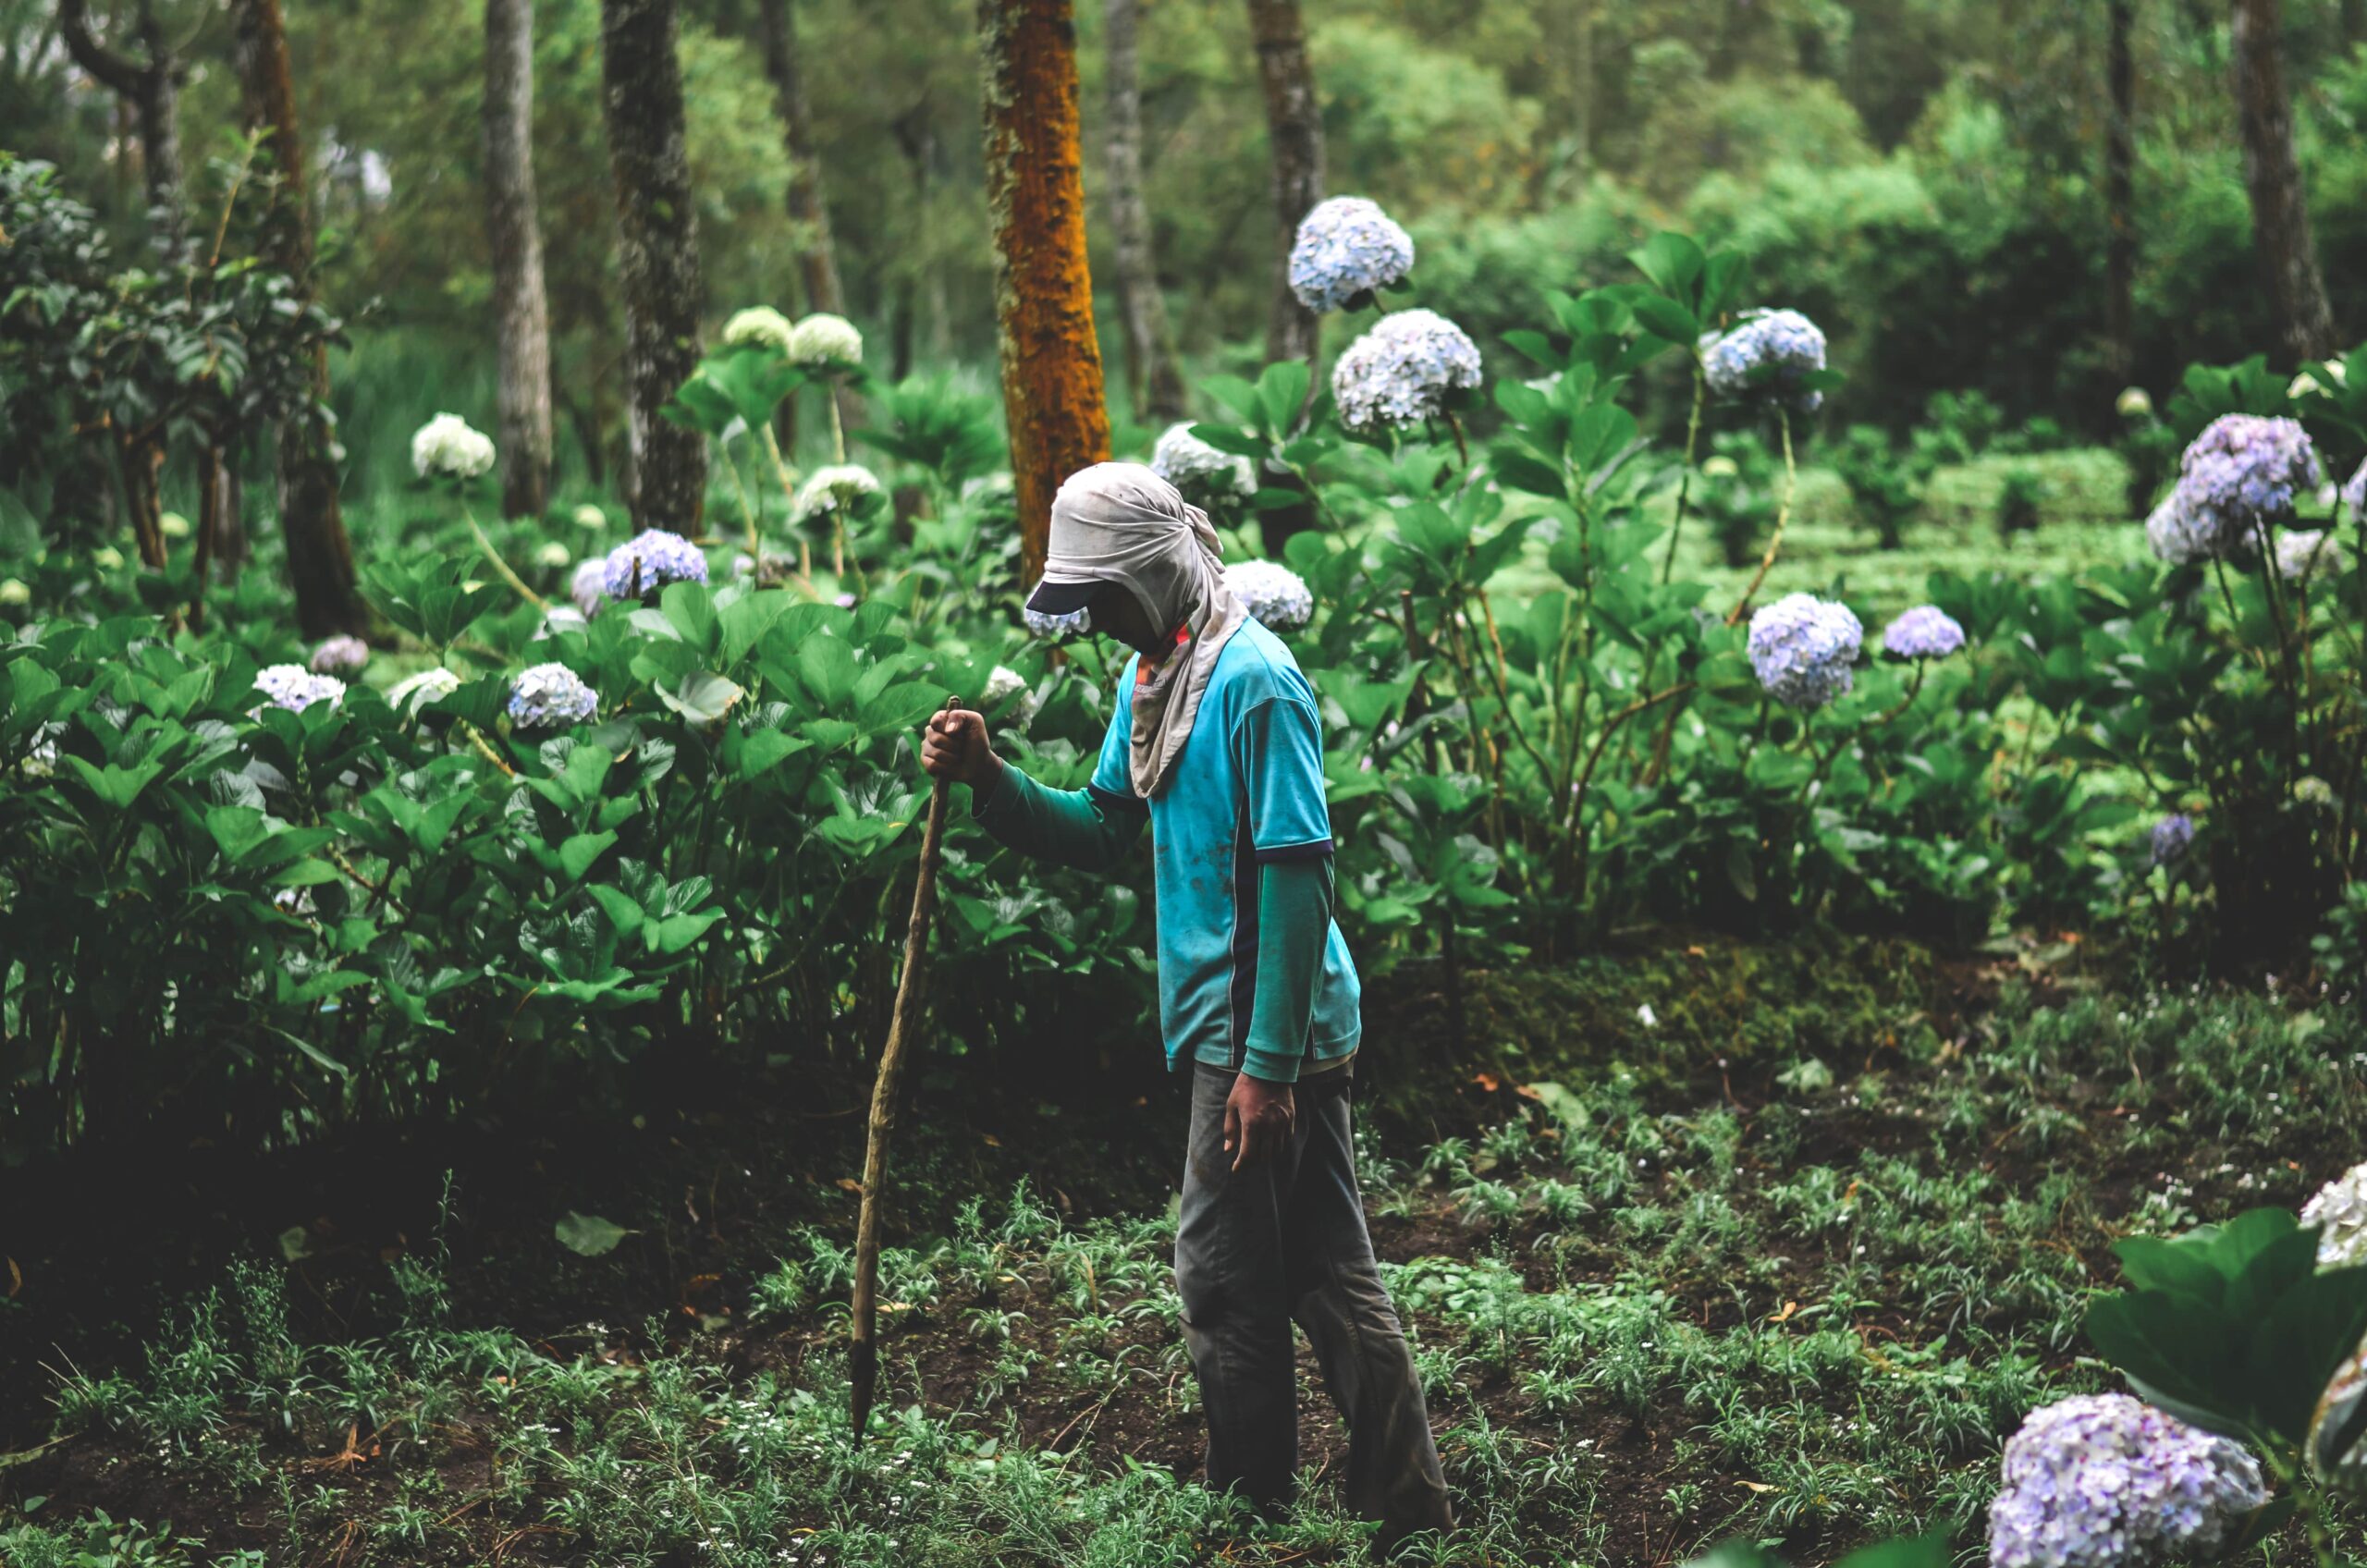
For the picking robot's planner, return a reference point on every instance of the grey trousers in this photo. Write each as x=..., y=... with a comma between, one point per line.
x=1285, y=1240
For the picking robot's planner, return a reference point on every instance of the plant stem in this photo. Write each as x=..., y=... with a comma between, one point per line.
x=1685, y=481
x=1782, y=516
x=499, y=565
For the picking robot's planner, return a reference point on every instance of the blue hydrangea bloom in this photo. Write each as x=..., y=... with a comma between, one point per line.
x=1801, y=647
x=1766, y=354
x=2172, y=836
x=2104, y=1481
x=1403, y=371
x=1927, y=632
x=1275, y=597
x=1347, y=248
x=2241, y=475
x=550, y=696
x=648, y=561
x=589, y=586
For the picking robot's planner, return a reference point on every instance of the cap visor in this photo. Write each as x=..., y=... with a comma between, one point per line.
x=1062, y=598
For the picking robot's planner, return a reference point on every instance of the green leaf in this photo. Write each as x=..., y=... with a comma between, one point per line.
x=761, y=750
x=702, y=698
x=577, y=853
x=690, y=608
x=588, y=1235
x=1665, y=318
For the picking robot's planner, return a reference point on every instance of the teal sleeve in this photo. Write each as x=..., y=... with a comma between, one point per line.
x=1293, y=924
x=1087, y=828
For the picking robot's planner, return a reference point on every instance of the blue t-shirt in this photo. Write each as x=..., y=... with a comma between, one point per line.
x=1248, y=788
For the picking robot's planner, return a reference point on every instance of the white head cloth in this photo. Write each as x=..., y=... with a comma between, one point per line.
x=1119, y=523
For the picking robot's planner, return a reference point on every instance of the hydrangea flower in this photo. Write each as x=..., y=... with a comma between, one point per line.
x=550, y=696
x=648, y=561
x=833, y=486
x=1927, y=632
x=293, y=687
x=1720, y=467
x=2134, y=402
x=589, y=516
x=1401, y=372
x=2339, y=1211
x=2172, y=836
x=2104, y=1481
x=1204, y=475
x=589, y=586
x=1004, y=684
x=1074, y=624
x=552, y=554
x=340, y=655
x=1276, y=597
x=15, y=591
x=1347, y=249
x=414, y=693
x=824, y=339
x=2239, y=475
x=447, y=446
x=1766, y=354
x=2313, y=790
x=1801, y=647
x=172, y=525
x=2301, y=551
x=760, y=326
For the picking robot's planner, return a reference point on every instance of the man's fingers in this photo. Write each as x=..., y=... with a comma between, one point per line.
x=1232, y=1131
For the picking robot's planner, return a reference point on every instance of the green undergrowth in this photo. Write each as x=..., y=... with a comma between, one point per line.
x=1654, y=1305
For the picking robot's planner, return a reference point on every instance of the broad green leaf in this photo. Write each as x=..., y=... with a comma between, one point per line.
x=588, y=1235
x=576, y=855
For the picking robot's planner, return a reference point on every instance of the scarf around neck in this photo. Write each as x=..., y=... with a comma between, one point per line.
x=1120, y=522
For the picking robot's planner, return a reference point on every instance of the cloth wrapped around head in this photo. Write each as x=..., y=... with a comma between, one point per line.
x=1121, y=524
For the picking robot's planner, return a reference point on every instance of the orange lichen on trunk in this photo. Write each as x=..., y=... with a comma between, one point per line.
x=1051, y=358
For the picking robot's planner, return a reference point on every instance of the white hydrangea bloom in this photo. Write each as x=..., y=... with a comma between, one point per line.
x=589, y=516
x=448, y=446
x=1198, y=471
x=761, y=326
x=832, y=487
x=2303, y=551
x=552, y=554
x=2339, y=1211
x=1002, y=685
x=824, y=339
x=1275, y=597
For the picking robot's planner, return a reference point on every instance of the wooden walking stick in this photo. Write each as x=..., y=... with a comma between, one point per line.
x=864, y=1349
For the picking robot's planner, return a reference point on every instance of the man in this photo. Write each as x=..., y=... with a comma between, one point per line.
x=1219, y=750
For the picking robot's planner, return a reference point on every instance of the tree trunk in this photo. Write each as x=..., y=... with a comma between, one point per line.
x=1151, y=377
x=2120, y=199
x=817, y=258
x=320, y=556
x=150, y=87
x=522, y=314
x=658, y=255
x=1051, y=359
x=915, y=131
x=2273, y=176
x=1295, y=137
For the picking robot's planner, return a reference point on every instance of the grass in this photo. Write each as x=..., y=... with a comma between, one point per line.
x=1798, y=1296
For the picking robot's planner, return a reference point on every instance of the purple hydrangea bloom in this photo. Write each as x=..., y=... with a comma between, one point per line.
x=1403, y=371
x=550, y=696
x=340, y=655
x=648, y=561
x=293, y=687
x=1766, y=354
x=2172, y=836
x=589, y=586
x=2104, y=1481
x=1802, y=646
x=1927, y=632
x=2241, y=475
x=1347, y=248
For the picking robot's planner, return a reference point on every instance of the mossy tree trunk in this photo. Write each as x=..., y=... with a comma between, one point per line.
x=2297, y=289
x=1295, y=139
x=520, y=308
x=149, y=84
x=1151, y=377
x=1051, y=359
x=320, y=556
x=657, y=252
